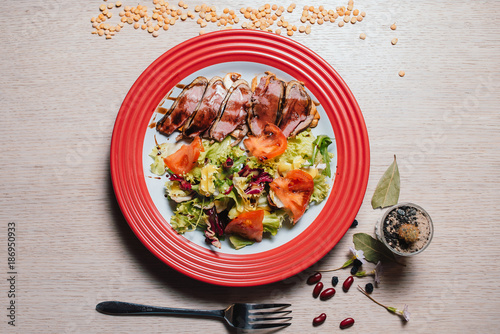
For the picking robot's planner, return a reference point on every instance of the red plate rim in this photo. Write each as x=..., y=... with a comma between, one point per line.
x=348, y=190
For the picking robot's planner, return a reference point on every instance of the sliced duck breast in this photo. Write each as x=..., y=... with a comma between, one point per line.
x=267, y=102
x=207, y=112
x=296, y=109
x=233, y=113
x=186, y=103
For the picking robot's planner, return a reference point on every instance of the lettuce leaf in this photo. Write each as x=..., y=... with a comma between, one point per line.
x=158, y=153
x=300, y=146
x=321, y=188
x=321, y=145
x=238, y=242
x=175, y=192
x=217, y=153
x=188, y=216
x=273, y=221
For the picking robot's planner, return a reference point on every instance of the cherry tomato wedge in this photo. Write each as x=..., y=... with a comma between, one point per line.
x=248, y=225
x=271, y=143
x=184, y=159
x=294, y=191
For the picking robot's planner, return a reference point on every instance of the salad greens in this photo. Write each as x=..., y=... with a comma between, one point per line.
x=226, y=182
x=321, y=145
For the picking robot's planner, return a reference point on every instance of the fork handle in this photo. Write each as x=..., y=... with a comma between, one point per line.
x=124, y=308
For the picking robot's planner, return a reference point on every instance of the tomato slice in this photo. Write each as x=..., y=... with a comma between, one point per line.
x=271, y=143
x=248, y=225
x=184, y=159
x=294, y=191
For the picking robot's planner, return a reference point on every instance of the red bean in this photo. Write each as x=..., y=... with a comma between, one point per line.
x=346, y=323
x=317, y=289
x=319, y=319
x=347, y=283
x=314, y=278
x=327, y=294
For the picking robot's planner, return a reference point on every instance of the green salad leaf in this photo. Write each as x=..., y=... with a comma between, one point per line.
x=321, y=188
x=238, y=242
x=272, y=221
x=320, y=145
x=188, y=216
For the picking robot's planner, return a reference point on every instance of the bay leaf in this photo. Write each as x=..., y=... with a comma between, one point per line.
x=387, y=191
x=373, y=249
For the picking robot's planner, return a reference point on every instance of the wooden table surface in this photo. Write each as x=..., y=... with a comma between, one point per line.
x=60, y=92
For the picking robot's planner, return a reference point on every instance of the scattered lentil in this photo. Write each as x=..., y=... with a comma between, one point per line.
x=394, y=41
x=393, y=26
x=401, y=73
x=263, y=17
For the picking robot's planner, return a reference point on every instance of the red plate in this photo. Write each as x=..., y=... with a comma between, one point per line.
x=319, y=237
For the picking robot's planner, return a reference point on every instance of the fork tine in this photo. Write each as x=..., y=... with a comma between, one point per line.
x=270, y=313
x=272, y=318
x=261, y=306
x=264, y=326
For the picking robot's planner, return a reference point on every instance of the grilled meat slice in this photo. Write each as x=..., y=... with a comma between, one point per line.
x=230, y=78
x=296, y=109
x=206, y=113
x=183, y=107
x=233, y=113
x=267, y=101
x=311, y=121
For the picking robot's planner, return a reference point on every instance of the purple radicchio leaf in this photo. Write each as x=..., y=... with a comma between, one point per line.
x=217, y=225
x=228, y=164
x=258, y=180
x=261, y=178
x=246, y=171
x=211, y=238
x=184, y=185
x=229, y=190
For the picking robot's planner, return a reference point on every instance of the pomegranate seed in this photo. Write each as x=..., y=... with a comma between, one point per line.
x=327, y=294
x=319, y=319
x=346, y=323
x=317, y=289
x=314, y=278
x=347, y=283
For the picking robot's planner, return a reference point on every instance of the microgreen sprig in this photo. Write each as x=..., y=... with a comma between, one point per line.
x=404, y=313
x=376, y=272
x=357, y=255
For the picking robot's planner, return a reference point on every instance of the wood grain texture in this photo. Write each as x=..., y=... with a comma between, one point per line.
x=60, y=92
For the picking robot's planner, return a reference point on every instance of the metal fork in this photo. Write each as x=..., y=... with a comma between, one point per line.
x=244, y=316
